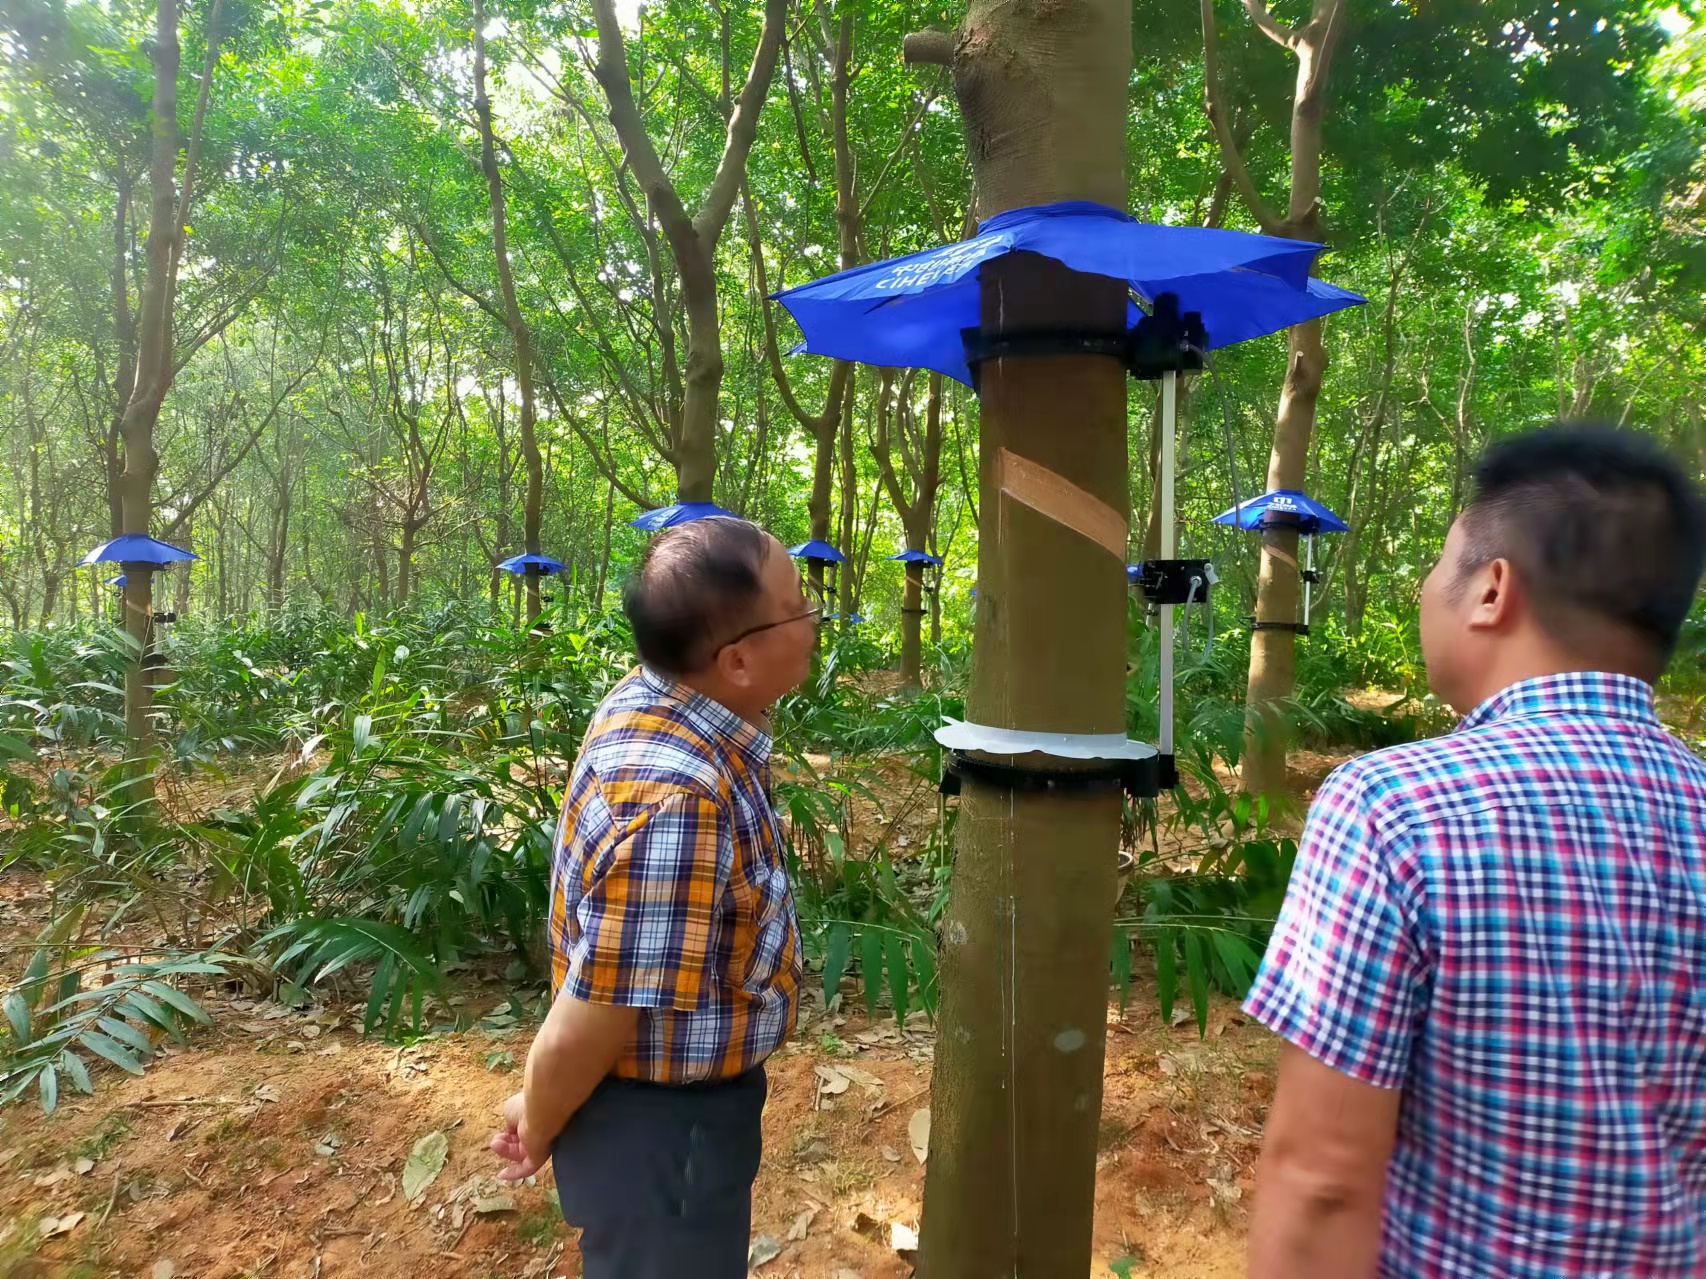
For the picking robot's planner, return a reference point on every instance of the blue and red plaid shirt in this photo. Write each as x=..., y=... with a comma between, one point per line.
x=669, y=891
x=1509, y=924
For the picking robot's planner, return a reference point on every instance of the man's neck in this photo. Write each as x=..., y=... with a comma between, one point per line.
x=730, y=699
x=1520, y=668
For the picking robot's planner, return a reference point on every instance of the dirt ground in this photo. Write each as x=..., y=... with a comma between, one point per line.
x=275, y=1143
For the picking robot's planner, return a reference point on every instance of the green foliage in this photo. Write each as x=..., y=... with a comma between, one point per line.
x=57, y=1023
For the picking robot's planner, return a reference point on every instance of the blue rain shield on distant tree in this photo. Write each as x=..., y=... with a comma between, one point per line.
x=137, y=548
x=1243, y=285
x=917, y=557
x=519, y=564
x=1134, y=573
x=853, y=619
x=680, y=513
x=1283, y=508
x=118, y=581
x=1288, y=508
x=817, y=550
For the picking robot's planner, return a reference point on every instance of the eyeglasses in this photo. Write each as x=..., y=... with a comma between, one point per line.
x=813, y=594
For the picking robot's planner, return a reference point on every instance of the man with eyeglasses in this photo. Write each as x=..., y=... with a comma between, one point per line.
x=675, y=948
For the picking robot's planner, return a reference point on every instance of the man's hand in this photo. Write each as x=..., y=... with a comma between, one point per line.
x=573, y=1051
x=522, y=1153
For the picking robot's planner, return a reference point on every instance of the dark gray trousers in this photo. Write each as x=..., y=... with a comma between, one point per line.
x=660, y=1178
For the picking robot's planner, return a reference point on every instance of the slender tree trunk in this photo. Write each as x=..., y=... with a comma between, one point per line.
x=1273, y=652
x=1017, y=1089
x=604, y=549
x=847, y=580
x=692, y=238
x=520, y=339
x=406, y=561
x=153, y=377
x=181, y=597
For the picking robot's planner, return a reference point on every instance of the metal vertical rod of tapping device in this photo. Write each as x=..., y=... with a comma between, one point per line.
x=1169, y=549
x=1308, y=573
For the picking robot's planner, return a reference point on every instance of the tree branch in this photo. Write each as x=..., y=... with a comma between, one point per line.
x=928, y=49
x=743, y=126
x=1270, y=26
x=1266, y=217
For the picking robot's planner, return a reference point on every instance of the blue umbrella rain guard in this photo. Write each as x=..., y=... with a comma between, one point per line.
x=138, y=548
x=139, y=551
x=1193, y=289
x=1288, y=508
x=817, y=552
x=519, y=564
x=925, y=561
x=679, y=513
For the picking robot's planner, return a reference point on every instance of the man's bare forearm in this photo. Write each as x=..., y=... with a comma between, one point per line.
x=573, y=1051
x=1302, y=1228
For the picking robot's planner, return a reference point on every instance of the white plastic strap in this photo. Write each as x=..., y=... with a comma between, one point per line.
x=960, y=735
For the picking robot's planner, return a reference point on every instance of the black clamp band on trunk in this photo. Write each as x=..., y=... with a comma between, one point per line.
x=1139, y=778
x=1164, y=341
x=1296, y=628
x=1312, y=576
x=1170, y=581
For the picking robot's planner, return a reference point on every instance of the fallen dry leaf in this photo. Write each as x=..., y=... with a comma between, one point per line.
x=762, y=1250
x=83, y=1167
x=918, y=1133
x=424, y=1164
x=802, y=1225
x=832, y=1081
x=163, y=1269
x=269, y=1092
x=891, y=1154
x=54, y=1226
x=50, y=1179
x=902, y=1237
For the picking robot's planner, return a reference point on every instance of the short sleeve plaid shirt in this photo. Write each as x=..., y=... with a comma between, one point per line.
x=1509, y=923
x=669, y=891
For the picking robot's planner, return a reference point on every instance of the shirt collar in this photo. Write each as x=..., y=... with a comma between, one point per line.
x=712, y=717
x=1569, y=693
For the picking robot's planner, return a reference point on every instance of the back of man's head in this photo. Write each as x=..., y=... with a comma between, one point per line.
x=1605, y=531
x=696, y=584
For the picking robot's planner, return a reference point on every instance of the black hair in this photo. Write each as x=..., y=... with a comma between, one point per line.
x=694, y=583
x=1600, y=523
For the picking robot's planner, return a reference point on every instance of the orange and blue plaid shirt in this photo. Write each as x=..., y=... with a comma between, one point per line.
x=669, y=891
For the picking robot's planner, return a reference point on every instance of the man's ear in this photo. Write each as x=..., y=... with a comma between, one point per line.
x=733, y=665
x=1495, y=596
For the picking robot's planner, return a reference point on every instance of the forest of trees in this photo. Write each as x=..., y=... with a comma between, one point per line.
x=411, y=288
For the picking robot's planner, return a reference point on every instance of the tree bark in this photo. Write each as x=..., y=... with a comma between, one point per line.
x=1273, y=653
x=692, y=238
x=1016, y=1095
x=520, y=339
x=921, y=460
x=153, y=378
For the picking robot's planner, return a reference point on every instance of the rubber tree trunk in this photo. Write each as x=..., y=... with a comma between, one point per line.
x=1017, y=1090
x=153, y=377
x=1273, y=653
x=520, y=339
